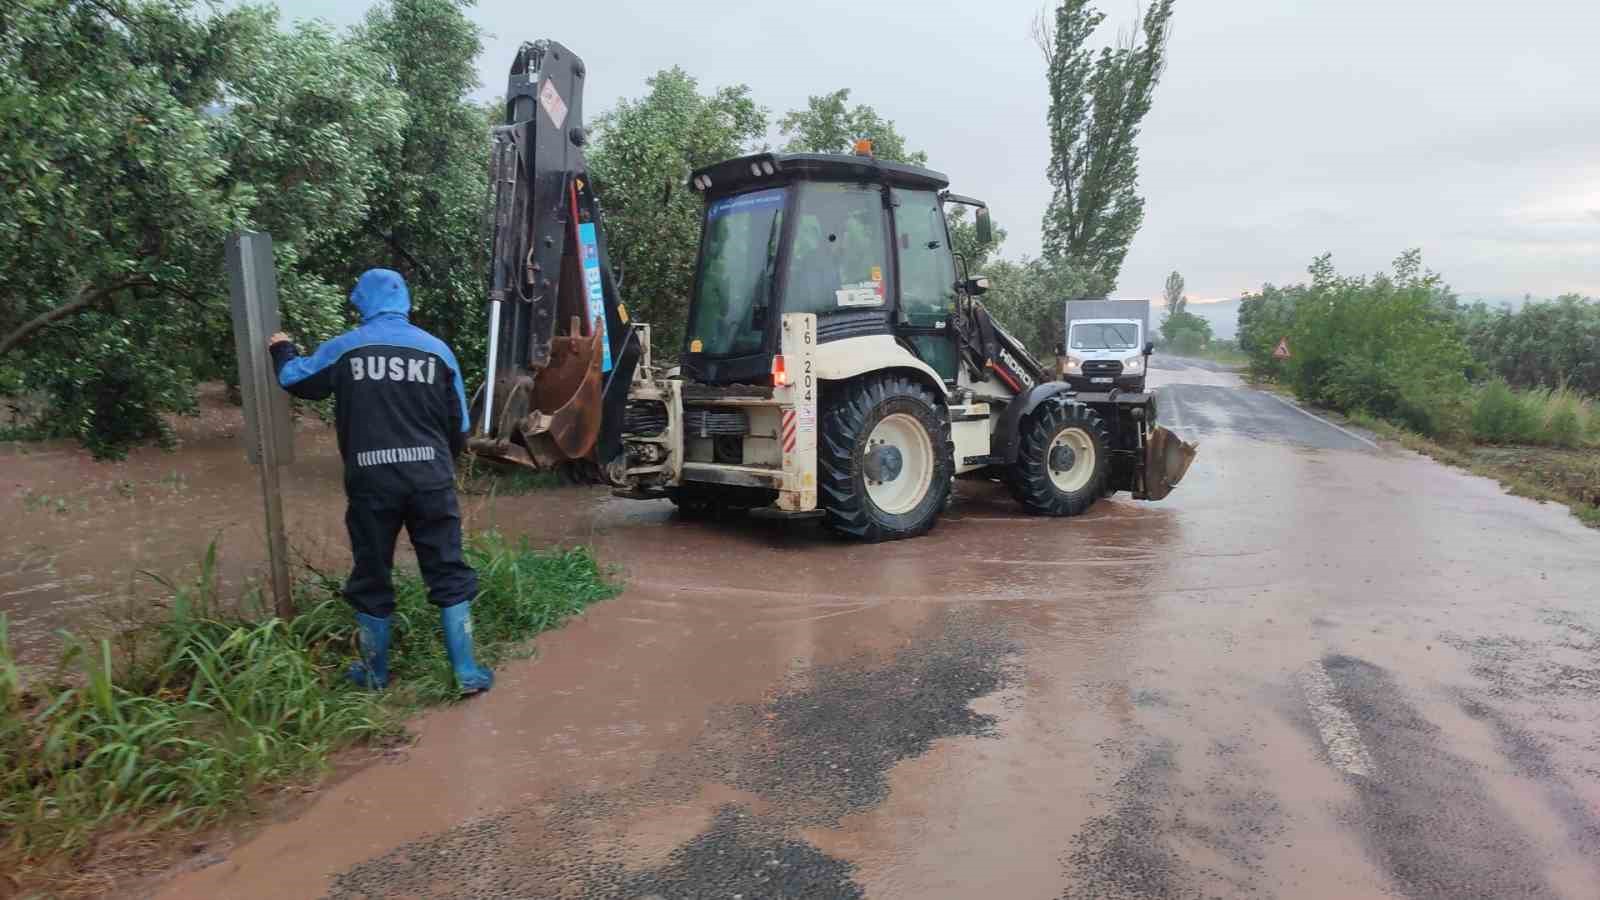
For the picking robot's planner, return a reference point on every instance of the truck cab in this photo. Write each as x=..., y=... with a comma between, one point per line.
x=1107, y=345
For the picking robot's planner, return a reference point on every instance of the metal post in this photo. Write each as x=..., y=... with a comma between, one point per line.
x=268, y=426
x=488, y=382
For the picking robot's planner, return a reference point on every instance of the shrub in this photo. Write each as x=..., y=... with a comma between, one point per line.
x=1499, y=416
x=1563, y=424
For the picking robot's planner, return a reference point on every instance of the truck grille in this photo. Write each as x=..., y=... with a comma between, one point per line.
x=1102, y=367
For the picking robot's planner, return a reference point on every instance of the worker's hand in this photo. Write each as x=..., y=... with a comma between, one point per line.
x=276, y=339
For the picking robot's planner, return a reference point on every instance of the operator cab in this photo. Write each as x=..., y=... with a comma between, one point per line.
x=861, y=243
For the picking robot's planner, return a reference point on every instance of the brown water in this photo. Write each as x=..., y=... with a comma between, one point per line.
x=1120, y=705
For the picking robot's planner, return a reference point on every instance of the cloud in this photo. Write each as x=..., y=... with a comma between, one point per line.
x=1283, y=128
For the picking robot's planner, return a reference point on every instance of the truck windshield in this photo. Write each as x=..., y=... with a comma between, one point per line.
x=1105, y=336
x=737, y=264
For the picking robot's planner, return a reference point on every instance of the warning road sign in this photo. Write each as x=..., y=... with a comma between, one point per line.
x=1283, y=349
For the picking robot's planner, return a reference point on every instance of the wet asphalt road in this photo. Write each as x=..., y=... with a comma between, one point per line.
x=1320, y=669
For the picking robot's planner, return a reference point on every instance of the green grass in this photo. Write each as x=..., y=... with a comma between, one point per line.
x=479, y=477
x=1227, y=356
x=179, y=722
x=1540, y=417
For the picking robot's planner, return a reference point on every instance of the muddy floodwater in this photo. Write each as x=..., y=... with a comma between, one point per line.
x=83, y=541
x=1320, y=669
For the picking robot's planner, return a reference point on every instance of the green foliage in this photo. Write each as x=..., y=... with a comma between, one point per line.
x=964, y=239
x=643, y=151
x=1389, y=344
x=1185, y=332
x=134, y=135
x=475, y=476
x=177, y=722
x=1225, y=352
x=1557, y=418
x=829, y=125
x=1182, y=331
x=1173, y=294
x=1265, y=318
x=1547, y=343
x=1028, y=298
x=1097, y=103
x=425, y=215
x=1507, y=417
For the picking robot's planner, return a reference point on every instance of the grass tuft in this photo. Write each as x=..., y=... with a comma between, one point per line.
x=479, y=477
x=1539, y=417
x=180, y=722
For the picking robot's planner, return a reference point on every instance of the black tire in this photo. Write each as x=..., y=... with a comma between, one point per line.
x=1029, y=478
x=851, y=413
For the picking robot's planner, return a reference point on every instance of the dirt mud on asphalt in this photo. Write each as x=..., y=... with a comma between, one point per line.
x=1320, y=669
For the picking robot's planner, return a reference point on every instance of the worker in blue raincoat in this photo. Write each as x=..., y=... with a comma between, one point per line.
x=401, y=415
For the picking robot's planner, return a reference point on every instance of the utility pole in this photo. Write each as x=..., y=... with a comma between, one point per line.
x=269, y=430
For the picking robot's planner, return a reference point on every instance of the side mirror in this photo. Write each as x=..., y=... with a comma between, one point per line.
x=984, y=228
x=972, y=287
x=1149, y=347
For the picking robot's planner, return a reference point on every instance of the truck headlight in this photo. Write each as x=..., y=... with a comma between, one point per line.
x=1074, y=365
x=1133, y=364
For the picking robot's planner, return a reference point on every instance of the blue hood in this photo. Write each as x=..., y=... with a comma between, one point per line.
x=379, y=292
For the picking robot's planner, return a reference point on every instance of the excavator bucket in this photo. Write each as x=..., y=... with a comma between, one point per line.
x=553, y=414
x=564, y=423
x=1166, y=460
x=561, y=352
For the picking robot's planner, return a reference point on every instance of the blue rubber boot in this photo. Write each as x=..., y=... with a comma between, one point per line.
x=372, y=635
x=470, y=677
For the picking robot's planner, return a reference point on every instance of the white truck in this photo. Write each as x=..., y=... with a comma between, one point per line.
x=1108, y=345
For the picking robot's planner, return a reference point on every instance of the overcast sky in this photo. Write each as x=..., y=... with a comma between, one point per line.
x=1283, y=128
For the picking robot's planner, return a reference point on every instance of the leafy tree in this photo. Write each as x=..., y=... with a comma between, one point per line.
x=426, y=213
x=1185, y=332
x=1265, y=318
x=134, y=135
x=1546, y=343
x=1389, y=344
x=829, y=125
x=964, y=239
x=1173, y=292
x=643, y=152
x=1028, y=298
x=1097, y=102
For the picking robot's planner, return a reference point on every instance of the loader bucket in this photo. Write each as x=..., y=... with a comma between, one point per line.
x=1166, y=459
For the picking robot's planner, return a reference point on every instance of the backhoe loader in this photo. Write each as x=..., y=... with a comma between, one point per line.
x=835, y=366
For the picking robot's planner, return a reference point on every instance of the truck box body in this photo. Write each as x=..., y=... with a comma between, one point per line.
x=1105, y=341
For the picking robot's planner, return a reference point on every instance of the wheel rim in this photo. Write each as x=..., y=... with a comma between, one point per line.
x=1080, y=460
x=901, y=490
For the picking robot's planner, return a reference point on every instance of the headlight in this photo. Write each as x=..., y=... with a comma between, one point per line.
x=1133, y=364
x=1074, y=364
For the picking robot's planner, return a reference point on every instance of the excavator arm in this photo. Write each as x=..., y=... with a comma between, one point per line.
x=561, y=350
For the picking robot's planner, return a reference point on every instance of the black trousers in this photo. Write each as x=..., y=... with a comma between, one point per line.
x=433, y=521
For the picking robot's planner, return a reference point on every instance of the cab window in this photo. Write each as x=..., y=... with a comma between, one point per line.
x=839, y=259
x=927, y=271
